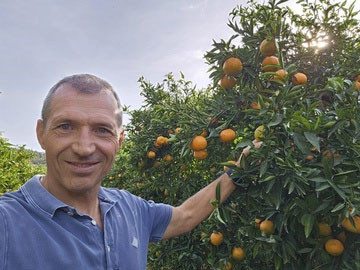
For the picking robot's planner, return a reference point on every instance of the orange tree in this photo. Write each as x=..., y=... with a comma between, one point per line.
x=298, y=206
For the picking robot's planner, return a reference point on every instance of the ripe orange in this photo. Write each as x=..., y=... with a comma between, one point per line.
x=237, y=253
x=324, y=229
x=280, y=75
x=166, y=192
x=227, y=82
x=201, y=154
x=156, y=164
x=161, y=140
x=267, y=226
x=309, y=157
x=328, y=154
x=138, y=128
x=346, y=223
x=156, y=144
x=227, y=135
x=229, y=161
x=177, y=130
x=232, y=66
x=198, y=143
x=216, y=238
x=168, y=158
x=138, y=185
x=255, y=106
x=268, y=47
x=357, y=86
x=182, y=167
x=357, y=78
x=334, y=247
x=141, y=164
x=259, y=133
x=151, y=154
x=270, y=60
x=299, y=78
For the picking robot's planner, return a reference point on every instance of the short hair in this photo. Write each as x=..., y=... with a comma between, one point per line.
x=84, y=83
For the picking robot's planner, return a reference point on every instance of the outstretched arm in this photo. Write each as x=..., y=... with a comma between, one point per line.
x=198, y=207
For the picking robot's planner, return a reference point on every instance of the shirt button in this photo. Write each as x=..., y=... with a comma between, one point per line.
x=93, y=222
x=70, y=213
x=108, y=248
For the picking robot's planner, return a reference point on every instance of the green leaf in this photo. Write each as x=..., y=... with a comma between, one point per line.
x=338, y=190
x=322, y=187
x=276, y=120
x=338, y=207
x=300, y=142
x=313, y=139
x=308, y=221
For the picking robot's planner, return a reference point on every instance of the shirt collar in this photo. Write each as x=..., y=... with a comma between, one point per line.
x=39, y=197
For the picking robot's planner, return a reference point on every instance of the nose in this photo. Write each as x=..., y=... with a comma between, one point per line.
x=83, y=144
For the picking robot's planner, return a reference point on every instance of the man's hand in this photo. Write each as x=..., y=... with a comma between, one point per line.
x=246, y=151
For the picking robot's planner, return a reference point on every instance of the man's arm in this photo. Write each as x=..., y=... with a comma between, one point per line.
x=198, y=207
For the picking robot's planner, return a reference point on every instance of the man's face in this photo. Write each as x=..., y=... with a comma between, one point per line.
x=81, y=139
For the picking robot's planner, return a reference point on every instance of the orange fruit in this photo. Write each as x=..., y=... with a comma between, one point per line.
x=257, y=222
x=156, y=164
x=183, y=167
x=328, y=154
x=213, y=170
x=357, y=78
x=280, y=75
x=230, y=161
x=216, y=238
x=168, y=158
x=238, y=253
x=161, y=140
x=341, y=236
x=357, y=86
x=268, y=47
x=324, y=229
x=166, y=192
x=138, y=128
x=255, y=106
x=267, y=226
x=227, y=135
x=232, y=66
x=177, y=130
x=346, y=223
x=309, y=157
x=299, y=78
x=259, y=133
x=138, y=185
x=151, y=154
x=198, y=143
x=227, y=82
x=270, y=60
x=334, y=247
x=201, y=154
x=141, y=164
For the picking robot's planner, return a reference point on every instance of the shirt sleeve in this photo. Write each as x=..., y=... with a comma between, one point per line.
x=3, y=240
x=160, y=216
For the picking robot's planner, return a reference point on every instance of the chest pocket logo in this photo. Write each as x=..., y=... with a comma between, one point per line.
x=135, y=242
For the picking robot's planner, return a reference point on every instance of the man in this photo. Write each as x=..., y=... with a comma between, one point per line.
x=65, y=219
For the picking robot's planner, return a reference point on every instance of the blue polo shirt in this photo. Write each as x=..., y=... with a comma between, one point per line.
x=37, y=231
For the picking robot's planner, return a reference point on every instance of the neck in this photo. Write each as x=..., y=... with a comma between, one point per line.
x=85, y=202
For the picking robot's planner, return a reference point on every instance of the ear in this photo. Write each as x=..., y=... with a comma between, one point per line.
x=40, y=132
x=121, y=139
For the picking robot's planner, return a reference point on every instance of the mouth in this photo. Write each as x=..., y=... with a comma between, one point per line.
x=82, y=167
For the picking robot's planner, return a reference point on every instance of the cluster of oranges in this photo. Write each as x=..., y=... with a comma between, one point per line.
x=232, y=67
x=237, y=253
x=335, y=247
x=198, y=145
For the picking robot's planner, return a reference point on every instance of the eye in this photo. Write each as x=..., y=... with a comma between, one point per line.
x=103, y=130
x=64, y=126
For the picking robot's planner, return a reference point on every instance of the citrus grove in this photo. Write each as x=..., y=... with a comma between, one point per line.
x=299, y=205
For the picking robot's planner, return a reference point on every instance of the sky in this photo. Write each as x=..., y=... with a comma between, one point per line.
x=42, y=41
